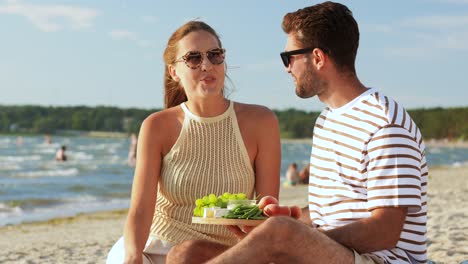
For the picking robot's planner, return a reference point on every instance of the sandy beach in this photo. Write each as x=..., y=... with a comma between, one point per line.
x=87, y=238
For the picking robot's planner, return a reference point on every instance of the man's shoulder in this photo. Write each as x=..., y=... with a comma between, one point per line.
x=382, y=110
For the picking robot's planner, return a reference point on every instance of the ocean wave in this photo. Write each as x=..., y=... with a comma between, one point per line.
x=458, y=164
x=48, y=173
x=28, y=204
x=103, y=146
x=82, y=204
x=20, y=158
x=79, y=155
x=9, y=167
x=9, y=209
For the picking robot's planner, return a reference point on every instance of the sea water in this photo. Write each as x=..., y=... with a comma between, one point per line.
x=97, y=176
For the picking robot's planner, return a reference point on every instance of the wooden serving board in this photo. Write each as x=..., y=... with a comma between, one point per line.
x=225, y=221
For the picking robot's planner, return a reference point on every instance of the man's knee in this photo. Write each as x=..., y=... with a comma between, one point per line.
x=194, y=251
x=182, y=252
x=281, y=228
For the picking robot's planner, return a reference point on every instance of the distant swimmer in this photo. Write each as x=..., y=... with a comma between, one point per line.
x=19, y=141
x=47, y=139
x=60, y=155
x=132, y=152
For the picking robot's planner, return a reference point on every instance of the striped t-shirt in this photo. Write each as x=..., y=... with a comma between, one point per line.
x=369, y=154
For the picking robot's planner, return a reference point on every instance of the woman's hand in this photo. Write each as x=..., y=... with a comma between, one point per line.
x=270, y=207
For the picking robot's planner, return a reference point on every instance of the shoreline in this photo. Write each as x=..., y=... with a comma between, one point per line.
x=105, y=134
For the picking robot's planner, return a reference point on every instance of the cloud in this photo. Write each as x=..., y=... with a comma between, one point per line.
x=51, y=18
x=438, y=33
x=378, y=28
x=452, y=1
x=123, y=34
x=436, y=22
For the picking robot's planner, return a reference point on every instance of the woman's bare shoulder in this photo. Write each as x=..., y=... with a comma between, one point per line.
x=256, y=113
x=163, y=120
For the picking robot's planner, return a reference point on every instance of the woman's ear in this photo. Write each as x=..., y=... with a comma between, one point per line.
x=173, y=73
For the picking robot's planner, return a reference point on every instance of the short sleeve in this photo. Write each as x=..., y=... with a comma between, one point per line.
x=394, y=170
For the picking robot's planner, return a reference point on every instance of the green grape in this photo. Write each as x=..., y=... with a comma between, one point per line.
x=212, y=199
x=198, y=211
x=199, y=202
x=241, y=196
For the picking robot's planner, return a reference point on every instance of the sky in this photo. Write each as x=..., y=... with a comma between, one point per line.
x=109, y=52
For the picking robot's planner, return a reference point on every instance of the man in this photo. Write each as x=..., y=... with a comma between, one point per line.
x=368, y=173
x=60, y=154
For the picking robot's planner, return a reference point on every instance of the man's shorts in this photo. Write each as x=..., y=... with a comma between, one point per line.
x=366, y=259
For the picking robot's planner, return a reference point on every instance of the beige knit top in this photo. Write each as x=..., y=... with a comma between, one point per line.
x=208, y=157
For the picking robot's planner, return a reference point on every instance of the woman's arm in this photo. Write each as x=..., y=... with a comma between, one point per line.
x=268, y=158
x=144, y=190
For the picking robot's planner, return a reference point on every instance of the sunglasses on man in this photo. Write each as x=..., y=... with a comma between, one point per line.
x=194, y=59
x=286, y=56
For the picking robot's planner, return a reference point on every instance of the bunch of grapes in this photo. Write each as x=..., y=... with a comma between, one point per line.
x=212, y=201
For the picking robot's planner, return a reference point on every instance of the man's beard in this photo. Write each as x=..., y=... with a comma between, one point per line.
x=310, y=85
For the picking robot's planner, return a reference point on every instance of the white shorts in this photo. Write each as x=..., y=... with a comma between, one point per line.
x=154, y=253
x=366, y=259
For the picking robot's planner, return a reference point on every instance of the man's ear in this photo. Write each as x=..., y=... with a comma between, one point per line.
x=319, y=58
x=173, y=73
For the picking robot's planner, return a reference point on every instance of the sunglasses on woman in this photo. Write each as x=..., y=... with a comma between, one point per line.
x=194, y=59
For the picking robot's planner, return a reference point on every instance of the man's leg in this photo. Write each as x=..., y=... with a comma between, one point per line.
x=194, y=251
x=285, y=240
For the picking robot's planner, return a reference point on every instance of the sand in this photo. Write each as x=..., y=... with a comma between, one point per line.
x=87, y=238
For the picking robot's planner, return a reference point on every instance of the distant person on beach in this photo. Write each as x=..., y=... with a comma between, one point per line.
x=368, y=171
x=201, y=143
x=47, y=139
x=60, y=154
x=304, y=175
x=132, y=152
x=292, y=175
x=19, y=141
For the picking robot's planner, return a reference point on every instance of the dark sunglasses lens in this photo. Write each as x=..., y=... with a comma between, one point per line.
x=285, y=59
x=193, y=59
x=215, y=56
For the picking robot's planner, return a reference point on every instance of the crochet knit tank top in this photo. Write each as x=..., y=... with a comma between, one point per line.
x=209, y=156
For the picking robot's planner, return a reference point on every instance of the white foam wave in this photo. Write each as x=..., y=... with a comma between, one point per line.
x=20, y=158
x=44, y=173
x=5, y=209
x=9, y=167
x=79, y=155
x=103, y=146
x=68, y=209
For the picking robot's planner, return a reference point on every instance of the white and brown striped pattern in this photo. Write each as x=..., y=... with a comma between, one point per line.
x=369, y=154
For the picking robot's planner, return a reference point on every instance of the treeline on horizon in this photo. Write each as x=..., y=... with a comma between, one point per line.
x=435, y=123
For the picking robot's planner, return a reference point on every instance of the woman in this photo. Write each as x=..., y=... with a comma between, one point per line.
x=201, y=143
x=292, y=175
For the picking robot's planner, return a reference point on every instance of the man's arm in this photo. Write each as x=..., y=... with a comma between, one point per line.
x=380, y=231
